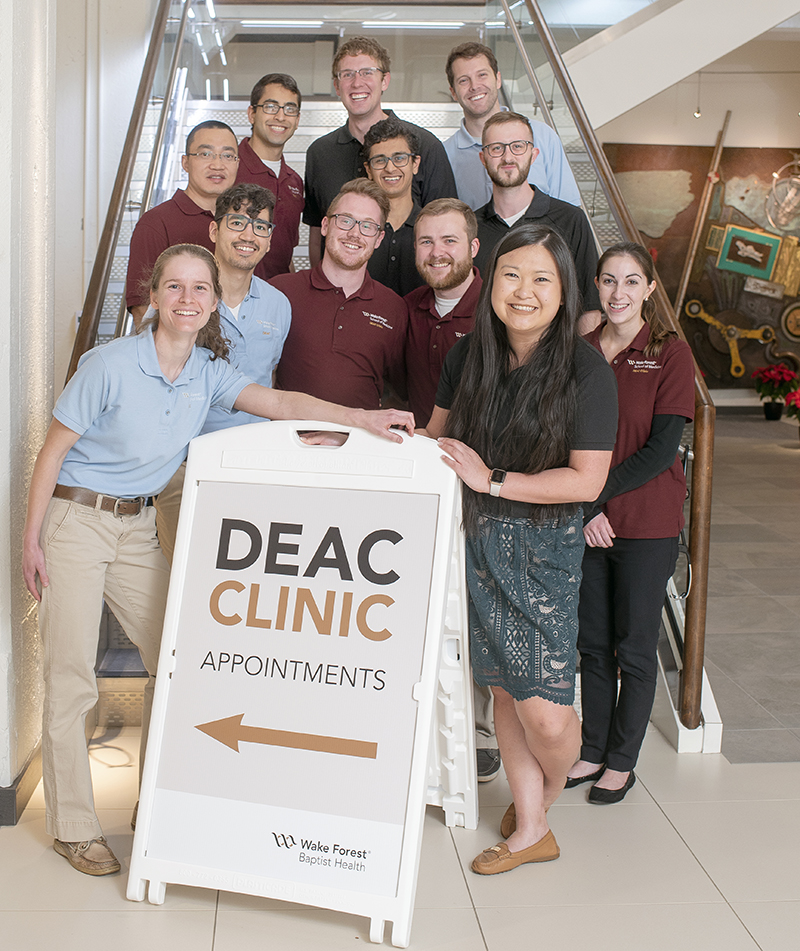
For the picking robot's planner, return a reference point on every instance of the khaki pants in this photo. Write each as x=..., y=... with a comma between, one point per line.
x=483, y=706
x=90, y=555
x=168, y=508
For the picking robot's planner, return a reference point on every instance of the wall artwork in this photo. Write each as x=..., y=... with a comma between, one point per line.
x=745, y=282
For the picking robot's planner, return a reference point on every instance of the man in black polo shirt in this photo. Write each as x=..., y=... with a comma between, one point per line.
x=360, y=76
x=391, y=159
x=507, y=153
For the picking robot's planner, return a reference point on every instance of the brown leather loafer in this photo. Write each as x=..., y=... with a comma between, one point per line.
x=499, y=859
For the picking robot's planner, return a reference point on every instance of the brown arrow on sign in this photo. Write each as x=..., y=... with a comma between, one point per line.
x=231, y=732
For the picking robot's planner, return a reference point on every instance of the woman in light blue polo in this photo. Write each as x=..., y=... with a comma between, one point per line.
x=120, y=429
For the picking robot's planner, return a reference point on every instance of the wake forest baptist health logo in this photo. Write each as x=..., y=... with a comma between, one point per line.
x=283, y=841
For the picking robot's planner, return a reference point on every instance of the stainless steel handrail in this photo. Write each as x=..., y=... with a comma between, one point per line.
x=101, y=271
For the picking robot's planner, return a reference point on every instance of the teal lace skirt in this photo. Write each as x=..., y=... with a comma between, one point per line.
x=523, y=581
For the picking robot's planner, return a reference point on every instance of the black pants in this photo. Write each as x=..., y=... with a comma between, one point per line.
x=619, y=615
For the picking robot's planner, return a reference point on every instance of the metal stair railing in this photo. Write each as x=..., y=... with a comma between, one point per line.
x=101, y=271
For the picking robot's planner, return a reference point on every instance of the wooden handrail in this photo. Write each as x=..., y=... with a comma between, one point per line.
x=702, y=469
x=101, y=271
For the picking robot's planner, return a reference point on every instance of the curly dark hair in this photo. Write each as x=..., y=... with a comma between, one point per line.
x=211, y=336
x=542, y=398
x=389, y=128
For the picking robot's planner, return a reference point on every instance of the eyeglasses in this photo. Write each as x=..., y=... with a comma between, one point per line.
x=367, y=72
x=518, y=147
x=261, y=227
x=272, y=108
x=211, y=156
x=399, y=160
x=369, y=229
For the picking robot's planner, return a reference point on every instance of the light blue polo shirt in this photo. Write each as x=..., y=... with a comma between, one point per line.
x=134, y=424
x=550, y=171
x=256, y=340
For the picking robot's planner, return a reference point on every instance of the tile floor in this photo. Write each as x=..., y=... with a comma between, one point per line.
x=703, y=854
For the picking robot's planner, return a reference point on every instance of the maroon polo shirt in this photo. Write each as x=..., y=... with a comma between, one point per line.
x=175, y=221
x=288, y=191
x=340, y=349
x=647, y=387
x=430, y=338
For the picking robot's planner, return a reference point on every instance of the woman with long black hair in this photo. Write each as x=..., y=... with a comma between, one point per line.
x=529, y=414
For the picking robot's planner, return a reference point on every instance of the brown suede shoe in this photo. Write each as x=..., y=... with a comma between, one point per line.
x=92, y=858
x=499, y=859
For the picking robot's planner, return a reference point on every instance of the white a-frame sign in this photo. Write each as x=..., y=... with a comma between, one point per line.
x=289, y=742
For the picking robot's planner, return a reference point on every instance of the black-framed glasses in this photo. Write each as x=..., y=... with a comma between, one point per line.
x=366, y=72
x=369, y=229
x=272, y=108
x=260, y=226
x=517, y=147
x=206, y=156
x=398, y=159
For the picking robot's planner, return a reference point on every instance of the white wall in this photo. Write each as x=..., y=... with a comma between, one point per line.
x=759, y=83
x=71, y=67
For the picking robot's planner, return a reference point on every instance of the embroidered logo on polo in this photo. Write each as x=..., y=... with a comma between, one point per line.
x=194, y=397
x=643, y=366
x=267, y=327
x=294, y=190
x=377, y=321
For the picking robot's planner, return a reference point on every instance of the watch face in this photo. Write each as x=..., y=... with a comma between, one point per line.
x=498, y=475
x=790, y=322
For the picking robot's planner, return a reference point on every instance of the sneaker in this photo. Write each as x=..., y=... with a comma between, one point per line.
x=135, y=815
x=92, y=858
x=489, y=764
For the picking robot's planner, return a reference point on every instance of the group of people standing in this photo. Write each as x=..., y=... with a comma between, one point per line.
x=471, y=308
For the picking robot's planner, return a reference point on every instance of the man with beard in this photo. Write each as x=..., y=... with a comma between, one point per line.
x=254, y=317
x=348, y=331
x=474, y=80
x=507, y=153
x=442, y=310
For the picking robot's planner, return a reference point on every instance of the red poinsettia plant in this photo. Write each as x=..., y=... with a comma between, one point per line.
x=774, y=382
x=793, y=404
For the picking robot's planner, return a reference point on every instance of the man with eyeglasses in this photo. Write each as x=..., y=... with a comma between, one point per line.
x=391, y=159
x=210, y=162
x=348, y=332
x=274, y=114
x=474, y=80
x=507, y=153
x=361, y=74
x=254, y=317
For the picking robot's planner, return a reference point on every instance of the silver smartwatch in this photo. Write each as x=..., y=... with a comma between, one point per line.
x=496, y=480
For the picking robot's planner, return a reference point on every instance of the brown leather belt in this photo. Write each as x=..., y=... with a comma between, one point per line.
x=108, y=503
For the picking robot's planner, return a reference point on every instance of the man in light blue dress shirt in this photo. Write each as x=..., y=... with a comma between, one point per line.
x=474, y=81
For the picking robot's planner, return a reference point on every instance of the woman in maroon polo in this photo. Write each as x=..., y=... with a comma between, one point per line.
x=632, y=529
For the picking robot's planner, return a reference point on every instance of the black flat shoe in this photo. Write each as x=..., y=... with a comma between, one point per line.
x=590, y=778
x=606, y=797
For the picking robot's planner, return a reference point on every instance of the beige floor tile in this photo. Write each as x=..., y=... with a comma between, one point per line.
x=617, y=927
x=750, y=849
x=34, y=878
x=709, y=777
x=606, y=851
x=120, y=930
x=309, y=929
x=775, y=925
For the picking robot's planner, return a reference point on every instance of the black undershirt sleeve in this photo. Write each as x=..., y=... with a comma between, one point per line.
x=655, y=457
